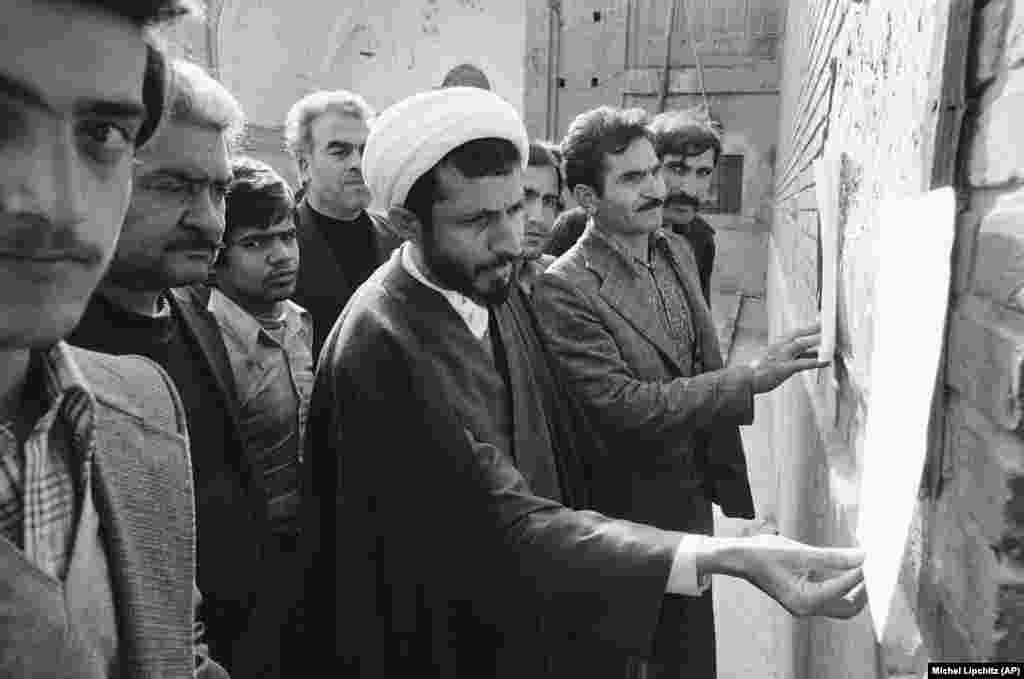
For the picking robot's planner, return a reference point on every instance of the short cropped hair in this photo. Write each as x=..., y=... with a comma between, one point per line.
x=487, y=157
x=595, y=134
x=144, y=13
x=257, y=198
x=199, y=99
x=542, y=154
x=685, y=133
x=298, y=123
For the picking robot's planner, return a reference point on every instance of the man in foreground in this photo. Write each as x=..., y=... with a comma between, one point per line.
x=95, y=482
x=442, y=446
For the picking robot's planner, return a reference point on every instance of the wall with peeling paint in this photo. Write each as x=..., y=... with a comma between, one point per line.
x=270, y=53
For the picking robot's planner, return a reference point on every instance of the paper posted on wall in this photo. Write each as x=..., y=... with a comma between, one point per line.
x=911, y=296
x=826, y=186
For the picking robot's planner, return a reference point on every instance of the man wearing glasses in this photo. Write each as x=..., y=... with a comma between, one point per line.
x=171, y=236
x=342, y=242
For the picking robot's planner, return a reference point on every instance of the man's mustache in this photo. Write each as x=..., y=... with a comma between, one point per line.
x=35, y=236
x=496, y=264
x=651, y=204
x=192, y=243
x=682, y=199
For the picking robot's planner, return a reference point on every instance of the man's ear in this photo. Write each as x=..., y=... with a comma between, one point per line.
x=587, y=197
x=405, y=223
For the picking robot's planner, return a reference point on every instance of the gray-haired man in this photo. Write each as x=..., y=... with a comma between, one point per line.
x=172, y=232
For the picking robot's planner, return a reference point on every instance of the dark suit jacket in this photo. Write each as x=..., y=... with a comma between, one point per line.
x=323, y=287
x=427, y=548
x=657, y=423
x=701, y=237
x=230, y=497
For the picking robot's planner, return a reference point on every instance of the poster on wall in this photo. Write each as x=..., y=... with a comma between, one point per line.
x=913, y=252
x=826, y=187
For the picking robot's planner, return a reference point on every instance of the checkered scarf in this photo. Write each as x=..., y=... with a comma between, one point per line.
x=38, y=494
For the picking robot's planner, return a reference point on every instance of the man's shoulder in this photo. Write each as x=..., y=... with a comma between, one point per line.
x=572, y=265
x=134, y=386
x=375, y=317
x=679, y=244
x=385, y=230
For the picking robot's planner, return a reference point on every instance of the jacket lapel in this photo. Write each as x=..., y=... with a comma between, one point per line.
x=531, y=433
x=203, y=328
x=142, y=504
x=621, y=288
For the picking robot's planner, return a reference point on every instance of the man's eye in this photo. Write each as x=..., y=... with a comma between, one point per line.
x=287, y=238
x=252, y=244
x=166, y=185
x=553, y=203
x=106, y=141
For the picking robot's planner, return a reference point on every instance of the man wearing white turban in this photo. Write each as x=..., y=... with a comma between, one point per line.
x=444, y=452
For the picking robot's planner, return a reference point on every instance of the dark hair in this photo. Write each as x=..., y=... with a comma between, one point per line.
x=596, y=134
x=144, y=12
x=155, y=93
x=487, y=157
x=257, y=198
x=542, y=154
x=685, y=133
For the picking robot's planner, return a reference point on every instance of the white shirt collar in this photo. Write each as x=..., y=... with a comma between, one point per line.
x=475, y=315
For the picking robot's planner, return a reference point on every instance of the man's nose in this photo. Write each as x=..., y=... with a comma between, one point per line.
x=508, y=237
x=52, y=184
x=206, y=213
x=280, y=252
x=534, y=211
x=355, y=158
x=656, y=189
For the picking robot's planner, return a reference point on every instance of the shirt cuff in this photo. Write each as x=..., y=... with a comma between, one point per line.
x=683, y=579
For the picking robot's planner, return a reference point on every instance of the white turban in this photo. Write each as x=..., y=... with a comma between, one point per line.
x=409, y=138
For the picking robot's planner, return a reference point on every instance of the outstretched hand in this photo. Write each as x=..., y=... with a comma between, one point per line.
x=807, y=580
x=783, y=359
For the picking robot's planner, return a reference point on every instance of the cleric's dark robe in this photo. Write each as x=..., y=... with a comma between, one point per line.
x=428, y=549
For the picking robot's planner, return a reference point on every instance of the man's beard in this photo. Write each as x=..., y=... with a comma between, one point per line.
x=450, y=275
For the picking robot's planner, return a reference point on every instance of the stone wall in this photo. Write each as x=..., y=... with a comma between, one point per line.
x=907, y=97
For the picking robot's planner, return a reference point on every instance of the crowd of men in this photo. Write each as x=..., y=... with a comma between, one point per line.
x=377, y=429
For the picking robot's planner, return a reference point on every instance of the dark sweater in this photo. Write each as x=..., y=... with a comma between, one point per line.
x=226, y=522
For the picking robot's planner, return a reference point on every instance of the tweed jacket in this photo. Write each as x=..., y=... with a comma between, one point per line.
x=144, y=500
x=659, y=424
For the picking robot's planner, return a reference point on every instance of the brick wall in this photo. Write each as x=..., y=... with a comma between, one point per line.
x=908, y=96
x=977, y=561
